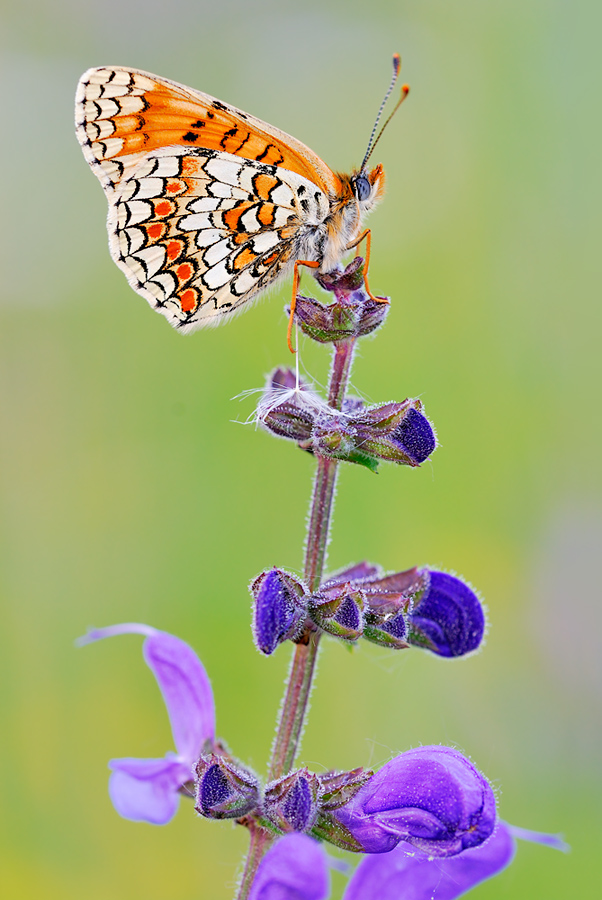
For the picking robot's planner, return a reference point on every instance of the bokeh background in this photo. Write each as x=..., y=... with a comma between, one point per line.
x=131, y=492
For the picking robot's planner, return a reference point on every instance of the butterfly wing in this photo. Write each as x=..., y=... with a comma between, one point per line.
x=206, y=203
x=198, y=233
x=122, y=114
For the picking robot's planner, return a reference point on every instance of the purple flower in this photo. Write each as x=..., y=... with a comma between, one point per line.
x=296, y=868
x=448, y=618
x=293, y=869
x=147, y=790
x=418, y=877
x=430, y=609
x=431, y=797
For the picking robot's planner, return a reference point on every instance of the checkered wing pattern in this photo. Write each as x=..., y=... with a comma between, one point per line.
x=206, y=203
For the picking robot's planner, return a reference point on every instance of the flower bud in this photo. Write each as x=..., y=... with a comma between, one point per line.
x=224, y=791
x=388, y=599
x=291, y=803
x=430, y=797
x=338, y=788
x=334, y=435
x=353, y=314
x=287, y=408
x=338, y=611
x=278, y=610
x=397, y=432
x=389, y=594
x=446, y=617
x=391, y=632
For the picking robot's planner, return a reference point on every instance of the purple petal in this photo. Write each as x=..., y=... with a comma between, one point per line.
x=396, y=875
x=182, y=680
x=146, y=790
x=540, y=837
x=293, y=869
x=416, y=436
x=186, y=691
x=432, y=797
x=275, y=613
x=449, y=616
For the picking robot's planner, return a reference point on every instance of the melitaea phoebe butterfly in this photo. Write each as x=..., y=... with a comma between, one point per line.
x=208, y=205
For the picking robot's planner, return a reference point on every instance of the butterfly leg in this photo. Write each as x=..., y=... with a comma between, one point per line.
x=310, y=265
x=367, y=234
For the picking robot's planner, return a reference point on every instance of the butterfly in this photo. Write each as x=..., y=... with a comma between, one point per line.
x=209, y=206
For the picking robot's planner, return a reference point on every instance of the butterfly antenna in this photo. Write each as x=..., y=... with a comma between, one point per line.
x=405, y=89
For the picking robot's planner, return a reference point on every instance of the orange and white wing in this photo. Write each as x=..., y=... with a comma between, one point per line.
x=199, y=233
x=206, y=204
x=123, y=114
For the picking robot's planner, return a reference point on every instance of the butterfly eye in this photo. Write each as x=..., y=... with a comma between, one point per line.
x=361, y=186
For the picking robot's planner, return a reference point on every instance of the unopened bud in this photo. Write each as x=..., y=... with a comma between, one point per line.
x=391, y=632
x=291, y=803
x=278, y=609
x=353, y=314
x=446, y=616
x=397, y=432
x=287, y=407
x=224, y=791
x=338, y=611
x=338, y=788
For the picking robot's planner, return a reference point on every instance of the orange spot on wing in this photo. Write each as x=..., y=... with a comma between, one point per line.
x=289, y=231
x=155, y=231
x=174, y=248
x=184, y=271
x=188, y=300
x=232, y=216
x=243, y=258
x=263, y=184
x=192, y=167
x=268, y=260
x=164, y=208
x=175, y=186
x=266, y=214
x=241, y=237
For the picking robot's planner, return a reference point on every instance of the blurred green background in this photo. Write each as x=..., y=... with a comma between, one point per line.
x=130, y=492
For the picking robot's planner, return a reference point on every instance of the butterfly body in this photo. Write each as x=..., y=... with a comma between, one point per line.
x=209, y=206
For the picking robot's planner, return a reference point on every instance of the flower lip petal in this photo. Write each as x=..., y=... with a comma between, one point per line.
x=146, y=790
x=98, y=634
x=414, y=876
x=294, y=868
x=540, y=837
x=186, y=691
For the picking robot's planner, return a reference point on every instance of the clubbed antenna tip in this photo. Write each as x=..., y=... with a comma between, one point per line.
x=404, y=93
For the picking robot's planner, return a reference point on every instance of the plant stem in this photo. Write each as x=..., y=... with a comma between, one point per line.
x=340, y=371
x=303, y=663
x=260, y=841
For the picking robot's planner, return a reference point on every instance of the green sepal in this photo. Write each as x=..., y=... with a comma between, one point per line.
x=329, y=829
x=377, y=636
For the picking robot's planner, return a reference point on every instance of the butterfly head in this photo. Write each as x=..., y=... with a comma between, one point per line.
x=368, y=187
